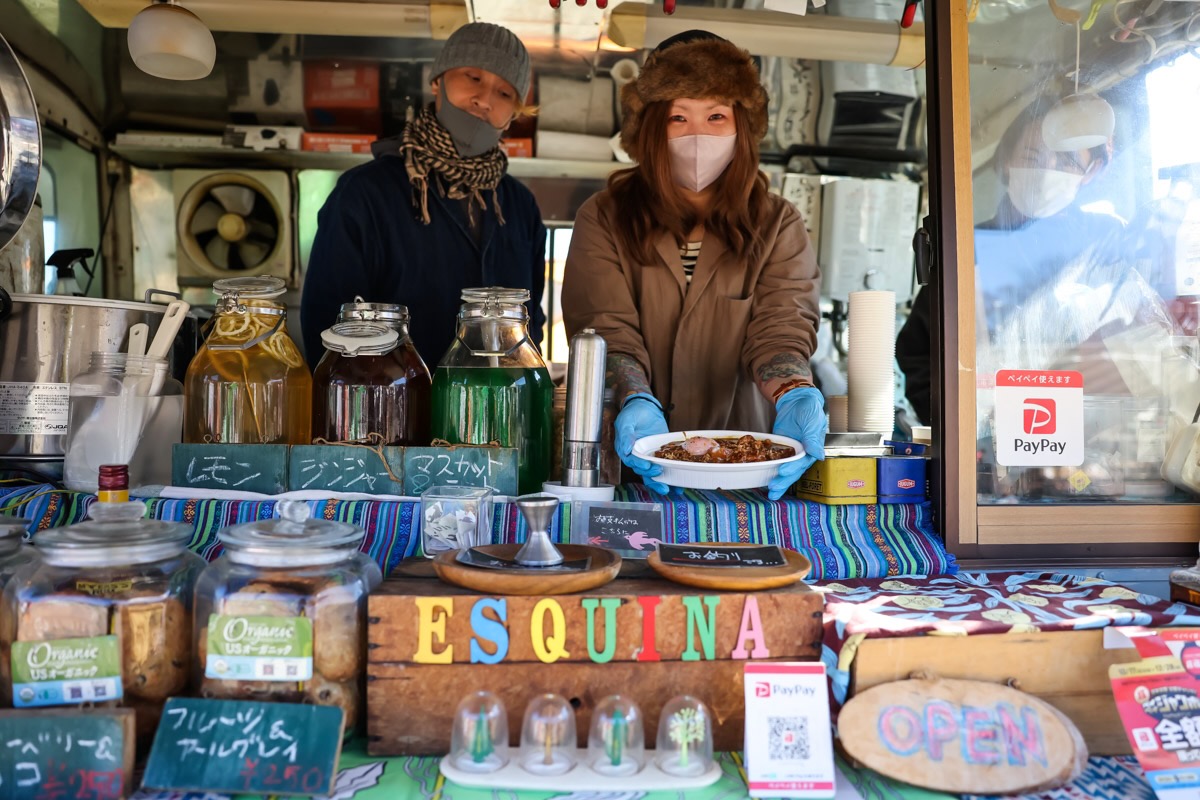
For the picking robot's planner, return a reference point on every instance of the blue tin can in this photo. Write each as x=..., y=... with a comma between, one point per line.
x=902, y=479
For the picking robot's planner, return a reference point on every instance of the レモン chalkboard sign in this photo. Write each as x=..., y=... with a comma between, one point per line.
x=238, y=746
x=259, y=468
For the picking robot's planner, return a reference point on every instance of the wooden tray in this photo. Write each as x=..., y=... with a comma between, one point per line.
x=604, y=567
x=735, y=579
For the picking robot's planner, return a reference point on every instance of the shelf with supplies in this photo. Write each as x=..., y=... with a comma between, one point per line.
x=152, y=156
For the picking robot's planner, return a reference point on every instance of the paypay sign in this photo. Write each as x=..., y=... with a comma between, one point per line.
x=1039, y=418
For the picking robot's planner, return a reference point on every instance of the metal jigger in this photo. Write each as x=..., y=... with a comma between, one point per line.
x=538, y=551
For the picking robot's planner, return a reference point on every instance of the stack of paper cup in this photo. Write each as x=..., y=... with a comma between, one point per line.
x=872, y=334
x=839, y=421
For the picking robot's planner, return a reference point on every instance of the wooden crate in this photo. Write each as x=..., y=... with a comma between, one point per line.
x=426, y=653
x=1067, y=669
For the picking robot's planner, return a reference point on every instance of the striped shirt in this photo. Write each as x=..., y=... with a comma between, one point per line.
x=689, y=254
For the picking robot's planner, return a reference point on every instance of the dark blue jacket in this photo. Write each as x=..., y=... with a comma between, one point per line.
x=371, y=242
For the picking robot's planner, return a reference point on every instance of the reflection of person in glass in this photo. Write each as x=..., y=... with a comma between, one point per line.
x=1039, y=226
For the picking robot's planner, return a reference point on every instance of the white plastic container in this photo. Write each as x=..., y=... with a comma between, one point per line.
x=688, y=475
x=1182, y=464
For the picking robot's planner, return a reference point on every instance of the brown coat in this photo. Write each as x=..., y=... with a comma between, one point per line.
x=701, y=344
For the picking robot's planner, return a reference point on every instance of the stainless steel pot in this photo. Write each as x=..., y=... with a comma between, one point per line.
x=47, y=341
x=20, y=147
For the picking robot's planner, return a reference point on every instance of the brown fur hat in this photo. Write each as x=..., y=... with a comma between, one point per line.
x=698, y=65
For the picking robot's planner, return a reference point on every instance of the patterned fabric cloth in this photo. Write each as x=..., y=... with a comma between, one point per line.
x=978, y=603
x=842, y=542
x=427, y=148
x=1104, y=778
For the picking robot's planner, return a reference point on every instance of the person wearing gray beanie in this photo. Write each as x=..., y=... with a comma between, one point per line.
x=436, y=211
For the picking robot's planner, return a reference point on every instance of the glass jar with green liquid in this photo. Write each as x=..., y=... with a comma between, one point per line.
x=493, y=386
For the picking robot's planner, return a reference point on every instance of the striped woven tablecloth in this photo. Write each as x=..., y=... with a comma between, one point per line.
x=842, y=542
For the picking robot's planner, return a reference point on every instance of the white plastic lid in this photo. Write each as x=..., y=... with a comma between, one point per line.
x=360, y=338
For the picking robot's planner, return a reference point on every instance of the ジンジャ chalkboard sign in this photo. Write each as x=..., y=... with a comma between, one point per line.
x=631, y=529
x=346, y=468
x=716, y=555
x=238, y=746
x=66, y=753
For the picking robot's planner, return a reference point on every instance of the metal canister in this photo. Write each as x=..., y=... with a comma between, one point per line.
x=585, y=409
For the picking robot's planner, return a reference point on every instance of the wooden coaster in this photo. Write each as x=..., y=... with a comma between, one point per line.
x=735, y=579
x=604, y=567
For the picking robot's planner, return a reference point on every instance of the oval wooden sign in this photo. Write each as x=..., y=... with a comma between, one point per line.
x=962, y=737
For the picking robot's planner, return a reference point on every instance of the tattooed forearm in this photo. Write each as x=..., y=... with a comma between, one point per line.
x=625, y=376
x=784, y=366
x=781, y=372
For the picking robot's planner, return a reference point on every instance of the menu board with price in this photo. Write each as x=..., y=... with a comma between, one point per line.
x=52, y=753
x=239, y=746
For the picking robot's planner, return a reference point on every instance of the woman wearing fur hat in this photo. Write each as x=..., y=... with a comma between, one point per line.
x=435, y=211
x=704, y=284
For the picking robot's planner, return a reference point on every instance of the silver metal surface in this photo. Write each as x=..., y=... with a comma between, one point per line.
x=20, y=145
x=585, y=409
x=538, y=551
x=49, y=340
x=23, y=259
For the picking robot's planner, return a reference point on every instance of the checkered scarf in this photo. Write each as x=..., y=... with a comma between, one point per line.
x=427, y=147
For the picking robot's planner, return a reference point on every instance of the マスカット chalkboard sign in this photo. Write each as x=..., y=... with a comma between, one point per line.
x=493, y=467
x=259, y=468
x=346, y=468
x=53, y=753
x=632, y=529
x=701, y=555
x=239, y=746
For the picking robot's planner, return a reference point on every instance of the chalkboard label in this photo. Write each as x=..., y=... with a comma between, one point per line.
x=345, y=468
x=716, y=555
x=66, y=754
x=238, y=746
x=261, y=468
x=493, y=467
x=631, y=529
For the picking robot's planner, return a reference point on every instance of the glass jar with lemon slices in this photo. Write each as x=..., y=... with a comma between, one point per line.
x=248, y=384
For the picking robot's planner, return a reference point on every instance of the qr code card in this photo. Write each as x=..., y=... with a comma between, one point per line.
x=789, y=745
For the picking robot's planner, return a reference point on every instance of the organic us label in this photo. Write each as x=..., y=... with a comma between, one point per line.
x=259, y=648
x=66, y=672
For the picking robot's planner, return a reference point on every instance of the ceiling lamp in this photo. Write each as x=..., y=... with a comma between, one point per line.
x=1078, y=121
x=168, y=41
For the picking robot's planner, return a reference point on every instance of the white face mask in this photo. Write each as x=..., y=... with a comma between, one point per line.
x=697, y=161
x=1039, y=193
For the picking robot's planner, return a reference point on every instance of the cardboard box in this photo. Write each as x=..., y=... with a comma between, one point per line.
x=342, y=97
x=838, y=481
x=430, y=644
x=337, y=142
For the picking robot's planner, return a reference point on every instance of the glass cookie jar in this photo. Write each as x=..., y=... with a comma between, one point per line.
x=281, y=615
x=15, y=555
x=105, y=618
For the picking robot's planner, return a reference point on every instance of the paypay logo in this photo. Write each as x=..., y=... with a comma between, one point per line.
x=1039, y=416
x=762, y=690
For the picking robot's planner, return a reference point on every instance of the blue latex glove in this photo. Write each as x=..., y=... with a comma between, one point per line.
x=800, y=414
x=640, y=416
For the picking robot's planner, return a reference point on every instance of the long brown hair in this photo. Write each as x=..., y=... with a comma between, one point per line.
x=645, y=202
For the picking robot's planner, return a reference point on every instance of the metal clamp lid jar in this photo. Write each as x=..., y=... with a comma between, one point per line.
x=294, y=539
x=360, y=339
x=114, y=535
x=234, y=293
x=392, y=315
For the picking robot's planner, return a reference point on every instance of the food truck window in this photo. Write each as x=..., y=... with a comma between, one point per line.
x=1087, y=257
x=74, y=214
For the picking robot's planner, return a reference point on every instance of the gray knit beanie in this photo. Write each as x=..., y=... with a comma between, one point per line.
x=490, y=47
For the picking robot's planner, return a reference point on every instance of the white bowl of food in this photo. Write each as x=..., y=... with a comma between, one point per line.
x=718, y=459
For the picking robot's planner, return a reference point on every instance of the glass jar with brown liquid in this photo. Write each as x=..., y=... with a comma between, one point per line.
x=248, y=384
x=371, y=386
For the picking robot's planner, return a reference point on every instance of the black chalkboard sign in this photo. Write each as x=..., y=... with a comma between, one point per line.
x=238, y=746
x=345, y=468
x=259, y=468
x=51, y=753
x=631, y=529
x=716, y=555
x=493, y=467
